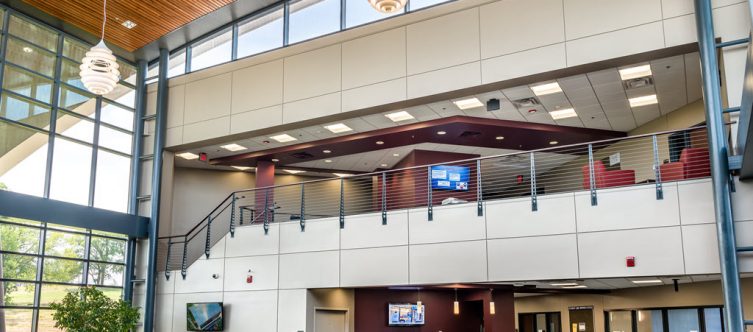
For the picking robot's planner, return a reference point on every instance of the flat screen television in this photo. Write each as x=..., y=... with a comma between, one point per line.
x=405, y=314
x=450, y=177
x=204, y=316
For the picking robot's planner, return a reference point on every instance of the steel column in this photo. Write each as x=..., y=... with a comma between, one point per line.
x=719, y=167
x=159, y=146
x=657, y=169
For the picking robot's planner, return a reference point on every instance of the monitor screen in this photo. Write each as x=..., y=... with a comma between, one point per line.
x=204, y=316
x=450, y=177
x=405, y=314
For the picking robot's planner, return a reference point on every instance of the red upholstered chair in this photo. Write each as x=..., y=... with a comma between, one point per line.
x=605, y=178
x=693, y=163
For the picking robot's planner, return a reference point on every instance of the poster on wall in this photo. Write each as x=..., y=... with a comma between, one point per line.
x=405, y=315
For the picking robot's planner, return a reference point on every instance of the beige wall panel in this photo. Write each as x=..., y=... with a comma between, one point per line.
x=174, y=136
x=444, y=80
x=199, y=277
x=176, y=105
x=696, y=202
x=732, y=22
x=611, y=212
x=502, y=22
x=312, y=73
x=443, y=42
x=448, y=262
x=700, y=249
x=374, y=266
x=322, y=270
x=619, y=43
x=533, y=258
x=673, y=8
x=258, y=119
x=514, y=218
x=374, y=95
x=588, y=17
x=206, y=129
x=263, y=268
x=742, y=210
x=207, y=99
x=259, y=307
x=523, y=63
x=744, y=234
x=151, y=103
x=257, y=87
x=311, y=108
x=372, y=59
x=680, y=30
x=251, y=241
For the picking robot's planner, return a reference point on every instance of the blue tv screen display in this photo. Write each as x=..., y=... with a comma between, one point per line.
x=405, y=314
x=450, y=177
x=204, y=316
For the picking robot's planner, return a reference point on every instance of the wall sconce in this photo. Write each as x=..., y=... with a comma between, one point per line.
x=456, y=304
x=492, y=309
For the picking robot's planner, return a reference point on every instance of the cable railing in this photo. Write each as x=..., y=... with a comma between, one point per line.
x=645, y=159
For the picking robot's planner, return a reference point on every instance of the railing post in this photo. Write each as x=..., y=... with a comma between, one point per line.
x=342, y=203
x=185, y=257
x=303, y=208
x=232, y=217
x=534, y=191
x=207, y=244
x=384, y=198
x=266, y=211
x=430, y=208
x=479, y=193
x=592, y=180
x=167, y=259
x=240, y=217
x=657, y=169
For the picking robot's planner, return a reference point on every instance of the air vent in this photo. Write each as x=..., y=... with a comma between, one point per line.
x=302, y=155
x=469, y=134
x=526, y=102
x=637, y=83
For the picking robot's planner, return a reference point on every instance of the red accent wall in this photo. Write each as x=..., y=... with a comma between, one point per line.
x=371, y=310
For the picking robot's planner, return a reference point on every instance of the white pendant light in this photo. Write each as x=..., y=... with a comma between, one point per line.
x=419, y=304
x=492, y=307
x=99, y=68
x=456, y=304
x=387, y=6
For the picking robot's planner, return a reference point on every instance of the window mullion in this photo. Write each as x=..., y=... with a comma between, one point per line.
x=39, y=278
x=53, y=116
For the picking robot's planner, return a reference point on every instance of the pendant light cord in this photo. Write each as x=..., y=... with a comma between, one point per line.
x=104, y=19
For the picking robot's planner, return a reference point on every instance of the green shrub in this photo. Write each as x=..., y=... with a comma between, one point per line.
x=89, y=310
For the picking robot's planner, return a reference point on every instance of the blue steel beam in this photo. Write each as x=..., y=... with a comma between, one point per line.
x=745, y=121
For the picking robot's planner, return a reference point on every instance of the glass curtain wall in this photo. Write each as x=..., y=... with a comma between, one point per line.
x=707, y=319
x=286, y=23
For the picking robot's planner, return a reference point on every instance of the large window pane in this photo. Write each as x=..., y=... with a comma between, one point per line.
x=107, y=250
x=17, y=293
x=25, y=83
x=620, y=321
x=74, y=49
x=63, y=270
x=683, y=320
x=127, y=72
x=117, y=116
x=70, y=74
x=19, y=267
x=713, y=319
x=115, y=140
x=359, y=12
x=54, y=293
x=23, y=159
x=34, y=33
x=24, y=110
x=16, y=238
x=73, y=126
x=261, y=34
x=418, y=4
x=46, y=323
x=111, y=189
x=123, y=95
x=213, y=51
x=70, y=172
x=63, y=244
x=177, y=64
x=313, y=18
x=77, y=101
x=29, y=56
x=102, y=274
x=18, y=320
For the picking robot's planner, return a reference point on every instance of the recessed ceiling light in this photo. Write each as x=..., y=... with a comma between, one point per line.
x=274, y=160
x=396, y=155
x=284, y=138
x=499, y=138
x=532, y=111
x=383, y=165
x=233, y=147
x=129, y=24
x=575, y=287
x=565, y=284
x=342, y=175
x=241, y=168
x=553, y=142
x=546, y=89
x=643, y=101
x=293, y=171
x=465, y=104
x=635, y=72
x=338, y=128
x=326, y=151
x=647, y=281
x=188, y=155
x=441, y=132
x=379, y=142
x=28, y=49
x=399, y=116
x=328, y=161
x=563, y=114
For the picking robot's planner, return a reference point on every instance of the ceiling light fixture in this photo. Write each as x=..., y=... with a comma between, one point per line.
x=563, y=114
x=499, y=138
x=129, y=24
x=338, y=128
x=396, y=155
x=546, y=89
x=326, y=151
x=384, y=165
x=28, y=49
x=388, y=6
x=379, y=142
x=241, y=168
x=274, y=160
x=456, y=304
x=328, y=161
x=647, y=281
x=553, y=142
x=441, y=132
x=465, y=104
x=575, y=287
x=635, y=72
x=284, y=138
x=188, y=155
x=492, y=307
x=293, y=171
x=565, y=284
x=233, y=147
x=643, y=101
x=342, y=175
x=399, y=116
x=99, y=68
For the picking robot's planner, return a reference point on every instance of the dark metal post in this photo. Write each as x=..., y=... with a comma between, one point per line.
x=184, y=259
x=479, y=193
x=591, y=179
x=159, y=146
x=719, y=167
x=232, y=216
x=657, y=169
x=384, y=198
x=430, y=208
x=342, y=203
x=534, y=198
x=208, y=243
x=167, y=258
x=303, y=208
x=266, y=211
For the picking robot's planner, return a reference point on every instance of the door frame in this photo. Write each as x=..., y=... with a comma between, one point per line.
x=345, y=310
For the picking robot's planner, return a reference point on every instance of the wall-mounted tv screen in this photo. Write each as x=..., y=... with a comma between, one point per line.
x=450, y=177
x=405, y=314
x=204, y=316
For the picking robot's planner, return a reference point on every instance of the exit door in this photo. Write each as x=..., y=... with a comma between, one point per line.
x=581, y=319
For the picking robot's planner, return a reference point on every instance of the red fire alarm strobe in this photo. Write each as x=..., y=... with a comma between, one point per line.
x=203, y=157
x=630, y=261
x=249, y=277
